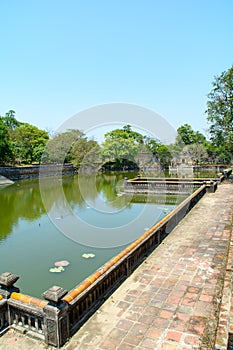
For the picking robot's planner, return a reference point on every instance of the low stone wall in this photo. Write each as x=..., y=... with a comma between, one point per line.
x=62, y=313
x=34, y=171
x=167, y=185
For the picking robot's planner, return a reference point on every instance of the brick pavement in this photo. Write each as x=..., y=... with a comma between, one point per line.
x=174, y=299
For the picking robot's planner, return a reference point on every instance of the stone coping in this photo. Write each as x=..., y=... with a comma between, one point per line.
x=26, y=299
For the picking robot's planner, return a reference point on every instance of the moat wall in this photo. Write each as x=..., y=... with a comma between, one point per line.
x=34, y=171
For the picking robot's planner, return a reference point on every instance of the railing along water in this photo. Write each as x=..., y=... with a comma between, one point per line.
x=165, y=185
x=26, y=314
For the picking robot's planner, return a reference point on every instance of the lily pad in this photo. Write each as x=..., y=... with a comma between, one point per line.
x=57, y=269
x=62, y=263
x=88, y=255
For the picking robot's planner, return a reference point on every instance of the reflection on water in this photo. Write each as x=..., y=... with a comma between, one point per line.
x=30, y=243
x=19, y=201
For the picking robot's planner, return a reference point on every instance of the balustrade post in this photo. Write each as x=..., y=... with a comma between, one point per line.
x=56, y=317
x=7, y=280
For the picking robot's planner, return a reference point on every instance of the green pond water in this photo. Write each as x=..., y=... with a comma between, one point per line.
x=52, y=220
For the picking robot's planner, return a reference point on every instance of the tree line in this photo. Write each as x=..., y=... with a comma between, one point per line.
x=23, y=143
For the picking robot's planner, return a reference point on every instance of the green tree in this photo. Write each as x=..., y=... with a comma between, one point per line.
x=58, y=149
x=119, y=149
x=164, y=156
x=152, y=145
x=188, y=136
x=187, y=145
x=220, y=114
x=29, y=143
x=160, y=152
x=126, y=133
x=86, y=153
x=121, y=145
x=10, y=121
x=136, y=136
x=200, y=138
x=6, y=155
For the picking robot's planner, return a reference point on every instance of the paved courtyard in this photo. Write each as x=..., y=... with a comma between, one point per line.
x=178, y=299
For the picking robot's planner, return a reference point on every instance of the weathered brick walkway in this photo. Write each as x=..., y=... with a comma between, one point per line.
x=173, y=301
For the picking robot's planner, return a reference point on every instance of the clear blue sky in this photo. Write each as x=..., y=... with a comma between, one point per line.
x=62, y=56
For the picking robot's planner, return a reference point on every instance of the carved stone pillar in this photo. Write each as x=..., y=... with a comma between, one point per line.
x=56, y=317
x=7, y=280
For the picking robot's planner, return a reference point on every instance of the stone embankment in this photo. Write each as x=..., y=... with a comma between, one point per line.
x=34, y=171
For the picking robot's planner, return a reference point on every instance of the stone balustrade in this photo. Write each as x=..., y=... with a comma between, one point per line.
x=29, y=320
x=61, y=313
x=169, y=186
x=3, y=314
x=26, y=314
